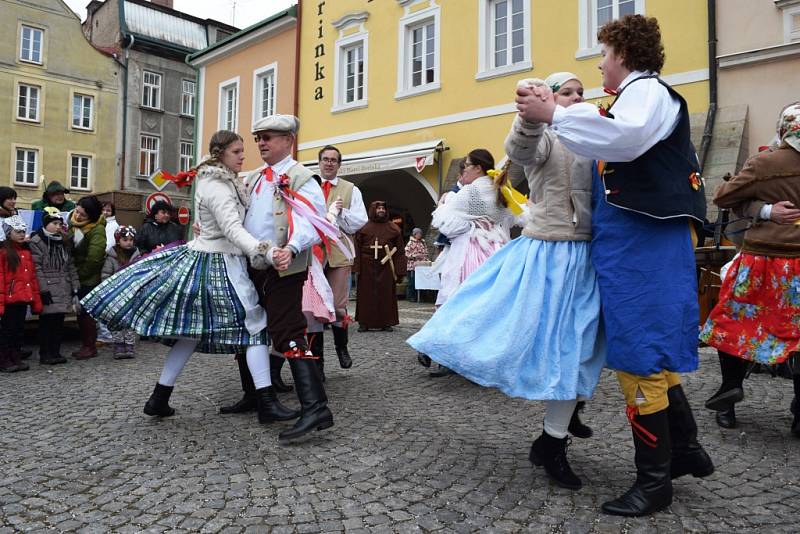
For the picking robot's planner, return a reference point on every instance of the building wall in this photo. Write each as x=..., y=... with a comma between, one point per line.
x=764, y=81
x=276, y=49
x=466, y=112
x=102, y=26
x=70, y=64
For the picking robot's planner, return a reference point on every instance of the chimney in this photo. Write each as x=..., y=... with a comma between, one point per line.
x=165, y=3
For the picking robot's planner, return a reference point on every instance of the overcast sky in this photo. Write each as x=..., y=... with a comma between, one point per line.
x=247, y=12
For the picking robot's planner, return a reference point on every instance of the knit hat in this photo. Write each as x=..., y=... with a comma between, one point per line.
x=789, y=125
x=15, y=222
x=55, y=187
x=416, y=231
x=51, y=214
x=557, y=79
x=124, y=231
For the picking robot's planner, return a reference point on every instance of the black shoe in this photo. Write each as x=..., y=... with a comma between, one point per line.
x=158, y=403
x=725, y=398
x=576, y=426
x=441, y=371
x=270, y=408
x=733, y=370
x=551, y=453
x=340, y=343
x=51, y=360
x=25, y=354
x=387, y=329
x=275, y=366
x=362, y=328
x=423, y=359
x=726, y=418
x=314, y=413
x=246, y=404
x=688, y=456
x=652, y=491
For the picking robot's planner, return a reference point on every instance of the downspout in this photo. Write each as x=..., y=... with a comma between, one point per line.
x=124, y=36
x=708, y=132
x=298, y=18
x=196, y=140
x=439, y=175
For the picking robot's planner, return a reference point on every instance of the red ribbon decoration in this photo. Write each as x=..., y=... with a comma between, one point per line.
x=182, y=179
x=641, y=432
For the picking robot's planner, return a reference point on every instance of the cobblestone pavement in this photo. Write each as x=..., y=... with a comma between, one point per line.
x=407, y=453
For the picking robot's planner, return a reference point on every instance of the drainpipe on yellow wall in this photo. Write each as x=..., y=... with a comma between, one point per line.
x=124, y=35
x=298, y=21
x=708, y=132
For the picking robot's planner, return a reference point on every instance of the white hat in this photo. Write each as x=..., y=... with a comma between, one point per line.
x=557, y=79
x=789, y=126
x=15, y=222
x=277, y=123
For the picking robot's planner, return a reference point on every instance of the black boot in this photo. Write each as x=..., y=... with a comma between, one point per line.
x=270, y=408
x=316, y=344
x=340, y=343
x=441, y=371
x=551, y=453
x=248, y=401
x=730, y=392
x=423, y=359
x=688, y=456
x=726, y=418
x=275, y=366
x=158, y=403
x=652, y=490
x=576, y=426
x=314, y=413
x=794, y=407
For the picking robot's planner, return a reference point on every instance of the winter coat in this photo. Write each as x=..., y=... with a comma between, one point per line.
x=90, y=253
x=19, y=286
x=55, y=271
x=40, y=205
x=113, y=263
x=153, y=234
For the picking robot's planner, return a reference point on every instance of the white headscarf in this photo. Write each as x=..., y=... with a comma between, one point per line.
x=557, y=79
x=789, y=126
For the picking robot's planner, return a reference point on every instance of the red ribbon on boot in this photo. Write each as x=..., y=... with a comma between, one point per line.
x=641, y=432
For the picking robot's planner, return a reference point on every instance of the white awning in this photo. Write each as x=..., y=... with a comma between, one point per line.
x=416, y=156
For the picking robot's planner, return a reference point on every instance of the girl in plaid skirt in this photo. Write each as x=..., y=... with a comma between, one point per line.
x=198, y=297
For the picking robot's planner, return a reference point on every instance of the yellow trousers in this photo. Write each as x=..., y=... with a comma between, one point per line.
x=648, y=394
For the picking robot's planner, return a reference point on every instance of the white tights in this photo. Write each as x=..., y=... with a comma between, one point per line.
x=179, y=354
x=557, y=416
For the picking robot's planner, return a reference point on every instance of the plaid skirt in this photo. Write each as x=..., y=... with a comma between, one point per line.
x=175, y=293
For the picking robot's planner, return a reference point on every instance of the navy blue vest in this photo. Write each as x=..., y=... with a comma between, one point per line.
x=663, y=182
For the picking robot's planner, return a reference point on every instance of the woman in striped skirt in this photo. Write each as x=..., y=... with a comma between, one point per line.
x=198, y=297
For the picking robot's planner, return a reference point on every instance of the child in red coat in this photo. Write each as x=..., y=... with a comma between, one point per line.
x=19, y=289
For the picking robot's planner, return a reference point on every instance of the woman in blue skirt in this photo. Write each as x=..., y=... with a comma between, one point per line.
x=528, y=320
x=198, y=297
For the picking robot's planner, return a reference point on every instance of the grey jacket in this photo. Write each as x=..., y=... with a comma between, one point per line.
x=112, y=263
x=560, y=207
x=56, y=273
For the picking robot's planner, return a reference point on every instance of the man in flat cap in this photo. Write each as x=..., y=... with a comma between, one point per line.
x=270, y=217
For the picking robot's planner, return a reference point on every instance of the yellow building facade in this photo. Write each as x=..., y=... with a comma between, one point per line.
x=405, y=88
x=60, y=101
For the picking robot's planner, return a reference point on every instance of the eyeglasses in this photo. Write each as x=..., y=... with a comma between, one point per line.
x=329, y=160
x=267, y=137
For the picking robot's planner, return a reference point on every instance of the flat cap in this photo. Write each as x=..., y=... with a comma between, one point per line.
x=277, y=123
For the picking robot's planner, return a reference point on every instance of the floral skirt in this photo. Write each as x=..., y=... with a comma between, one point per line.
x=758, y=314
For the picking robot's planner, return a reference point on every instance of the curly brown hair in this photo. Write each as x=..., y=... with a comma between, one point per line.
x=637, y=40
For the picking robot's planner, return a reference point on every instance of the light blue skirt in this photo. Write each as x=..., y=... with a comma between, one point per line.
x=526, y=322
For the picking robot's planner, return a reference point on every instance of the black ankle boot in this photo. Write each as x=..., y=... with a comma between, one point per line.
x=270, y=408
x=688, y=456
x=726, y=418
x=734, y=370
x=794, y=408
x=248, y=401
x=652, y=491
x=576, y=426
x=340, y=343
x=275, y=366
x=158, y=403
x=314, y=412
x=551, y=453
x=316, y=344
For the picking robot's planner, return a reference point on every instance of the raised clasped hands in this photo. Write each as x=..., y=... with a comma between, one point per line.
x=535, y=103
x=281, y=258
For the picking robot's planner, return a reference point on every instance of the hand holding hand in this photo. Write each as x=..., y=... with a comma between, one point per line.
x=535, y=104
x=281, y=258
x=784, y=212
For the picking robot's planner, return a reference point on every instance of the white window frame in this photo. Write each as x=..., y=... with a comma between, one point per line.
x=408, y=23
x=486, y=66
x=80, y=118
x=153, y=156
x=791, y=32
x=154, y=88
x=342, y=46
x=188, y=97
x=15, y=160
x=224, y=89
x=185, y=157
x=587, y=26
x=29, y=87
x=73, y=184
x=259, y=75
x=31, y=59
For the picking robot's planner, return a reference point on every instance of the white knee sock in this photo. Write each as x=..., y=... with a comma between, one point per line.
x=177, y=357
x=557, y=416
x=258, y=363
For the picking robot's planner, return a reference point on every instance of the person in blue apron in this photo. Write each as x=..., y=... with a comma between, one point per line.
x=646, y=194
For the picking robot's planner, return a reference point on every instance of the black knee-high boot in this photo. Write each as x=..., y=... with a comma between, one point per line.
x=340, y=343
x=314, y=412
x=688, y=456
x=652, y=490
x=248, y=401
x=733, y=369
x=316, y=344
x=275, y=366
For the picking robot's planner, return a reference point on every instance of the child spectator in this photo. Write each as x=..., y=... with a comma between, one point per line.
x=58, y=283
x=18, y=290
x=416, y=252
x=118, y=257
x=8, y=207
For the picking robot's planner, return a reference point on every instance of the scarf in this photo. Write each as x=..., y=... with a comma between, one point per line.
x=80, y=229
x=57, y=256
x=123, y=255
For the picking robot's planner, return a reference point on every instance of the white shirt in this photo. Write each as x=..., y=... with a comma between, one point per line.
x=643, y=115
x=259, y=220
x=111, y=227
x=350, y=220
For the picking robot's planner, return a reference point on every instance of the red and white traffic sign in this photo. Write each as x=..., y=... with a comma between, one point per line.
x=155, y=197
x=183, y=215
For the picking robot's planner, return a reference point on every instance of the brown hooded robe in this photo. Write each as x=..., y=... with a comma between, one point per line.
x=376, y=306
